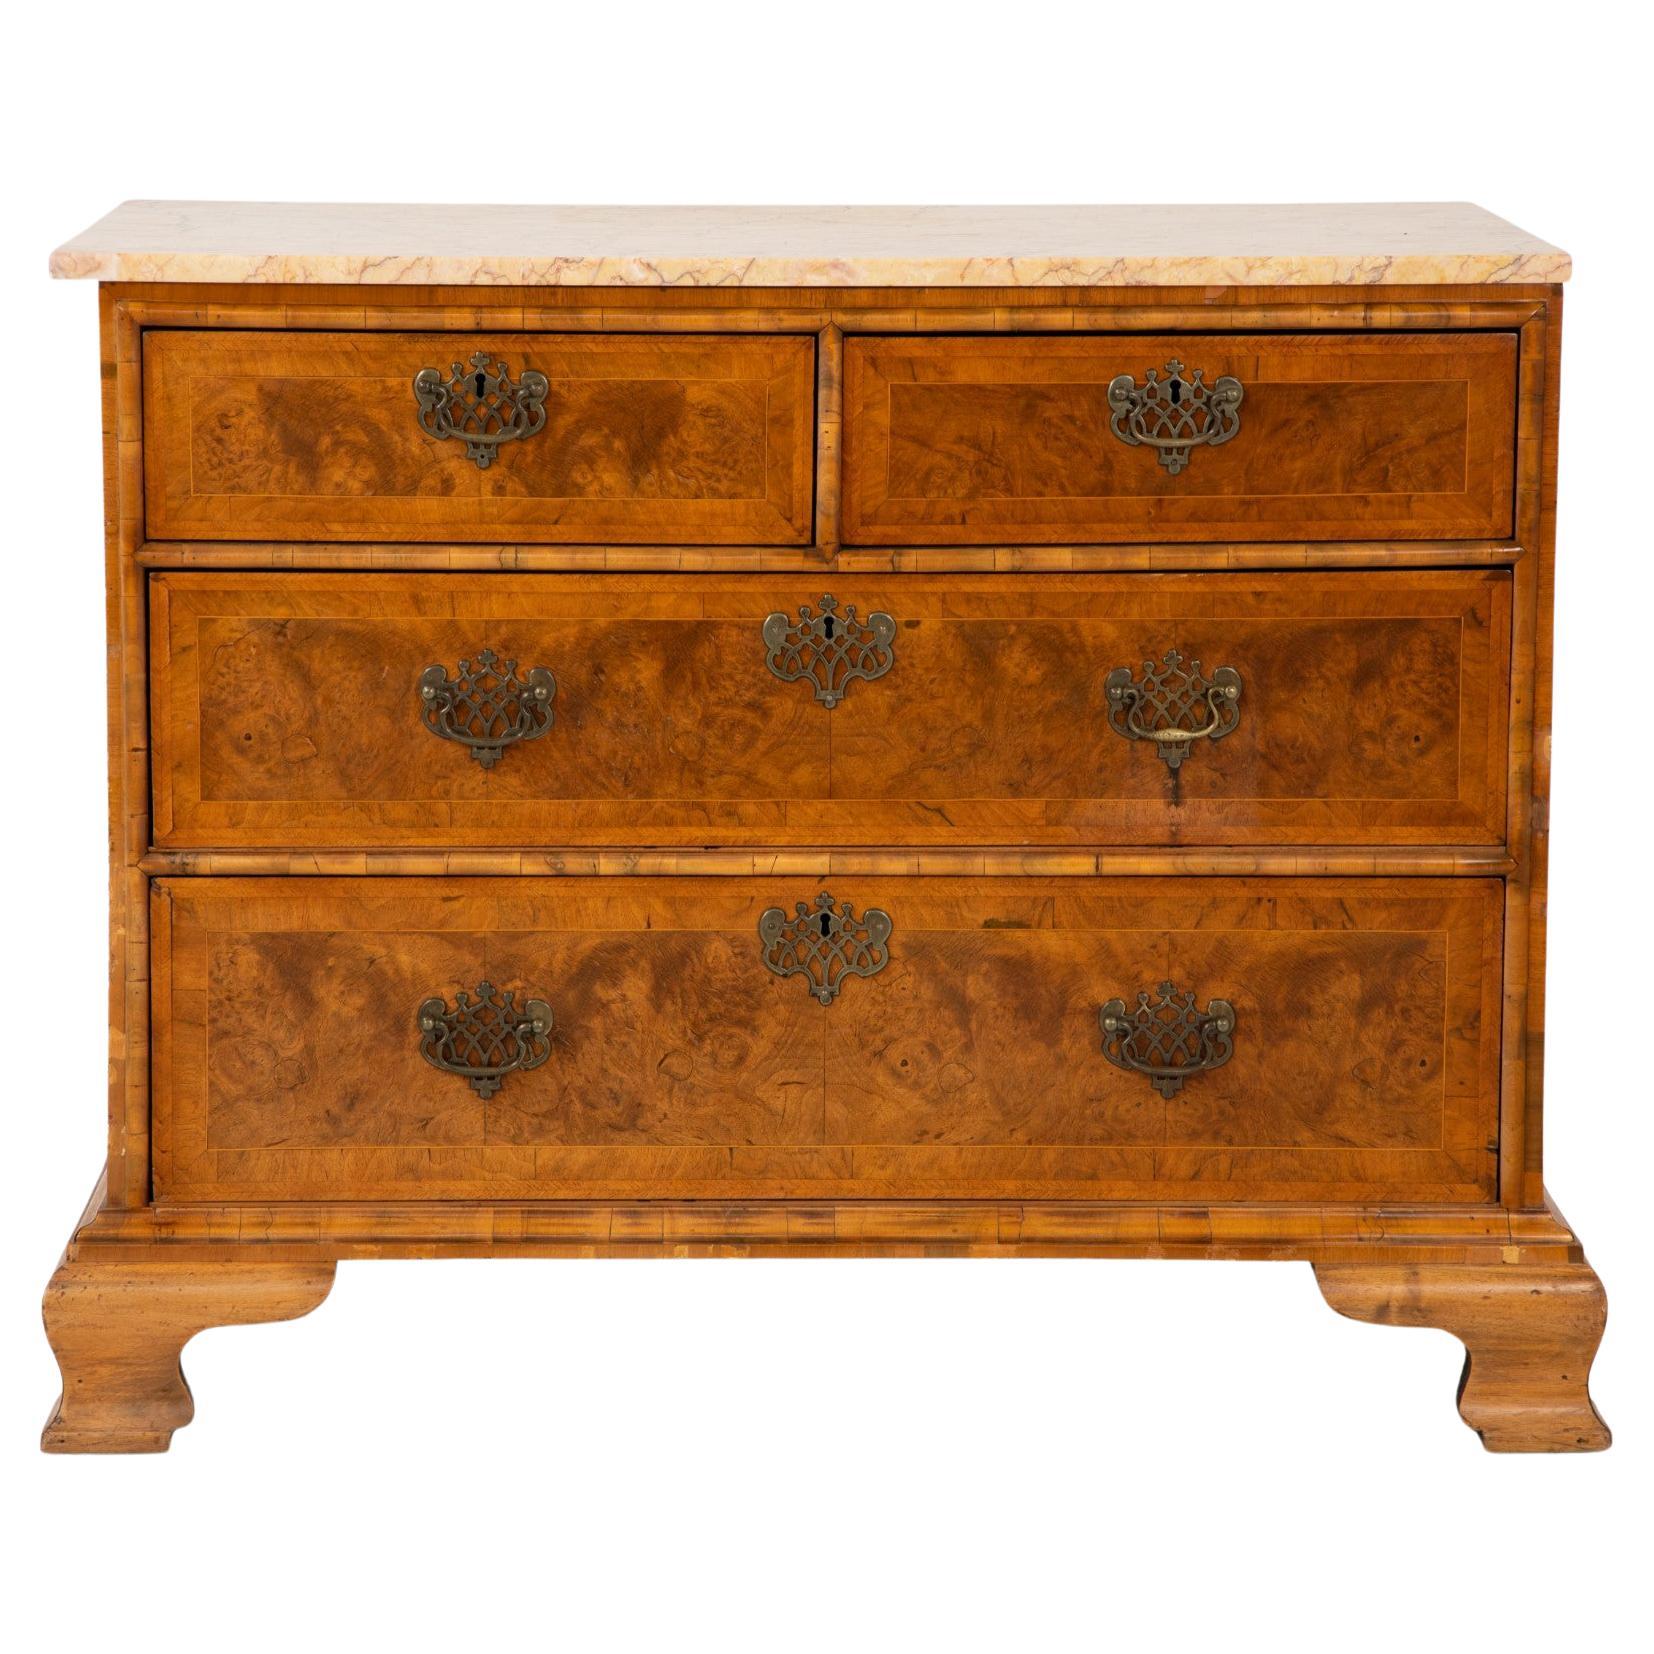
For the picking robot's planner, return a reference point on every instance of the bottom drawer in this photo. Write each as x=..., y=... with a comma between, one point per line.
x=735, y=1038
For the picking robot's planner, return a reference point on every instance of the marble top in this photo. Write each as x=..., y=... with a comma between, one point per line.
x=1365, y=243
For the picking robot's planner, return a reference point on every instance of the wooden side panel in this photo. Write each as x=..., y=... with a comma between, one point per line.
x=286, y=712
x=970, y=441
x=126, y=1182
x=306, y=436
x=970, y=1067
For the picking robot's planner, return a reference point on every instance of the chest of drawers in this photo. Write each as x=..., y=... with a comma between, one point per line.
x=890, y=731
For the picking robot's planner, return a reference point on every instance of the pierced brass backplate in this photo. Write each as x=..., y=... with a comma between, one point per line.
x=829, y=649
x=484, y=1038
x=480, y=406
x=824, y=944
x=1174, y=415
x=1174, y=706
x=1167, y=1039
x=487, y=707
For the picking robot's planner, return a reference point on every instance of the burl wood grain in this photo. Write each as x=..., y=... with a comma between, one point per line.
x=970, y=1067
x=285, y=711
x=314, y=436
x=118, y=1328
x=1530, y=1335
x=954, y=441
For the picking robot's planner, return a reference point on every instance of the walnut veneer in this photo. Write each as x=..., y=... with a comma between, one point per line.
x=969, y=1068
x=274, y=722
x=992, y=770
x=307, y=436
x=966, y=441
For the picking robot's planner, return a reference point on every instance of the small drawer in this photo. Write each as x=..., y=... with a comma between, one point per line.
x=538, y=437
x=1000, y=440
x=298, y=710
x=727, y=1038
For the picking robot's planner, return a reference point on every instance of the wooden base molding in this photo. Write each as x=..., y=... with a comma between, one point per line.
x=299, y=1231
x=118, y=1330
x=137, y=1284
x=1530, y=1334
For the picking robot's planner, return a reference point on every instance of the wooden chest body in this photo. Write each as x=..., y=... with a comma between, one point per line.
x=1349, y=862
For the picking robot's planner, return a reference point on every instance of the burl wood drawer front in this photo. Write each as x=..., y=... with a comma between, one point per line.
x=1371, y=709
x=955, y=441
x=677, y=1056
x=316, y=436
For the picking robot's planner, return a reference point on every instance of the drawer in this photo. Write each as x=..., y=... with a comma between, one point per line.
x=290, y=710
x=701, y=1038
x=985, y=440
x=630, y=438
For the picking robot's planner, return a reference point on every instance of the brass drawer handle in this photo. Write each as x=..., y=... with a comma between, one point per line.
x=824, y=944
x=1174, y=706
x=487, y=706
x=1174, y=415
x=484, y=1038
x=829, y=649
x=480, y=406
x=1167, y=1038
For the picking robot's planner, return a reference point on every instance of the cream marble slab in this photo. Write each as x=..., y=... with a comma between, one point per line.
x=1366, y=243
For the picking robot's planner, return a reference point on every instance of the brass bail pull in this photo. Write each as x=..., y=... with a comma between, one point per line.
x=484, y=1035
x=478, y=404
x=1173, y=705
x=1166, y=1038
x=486, y=707
x=1174, y=415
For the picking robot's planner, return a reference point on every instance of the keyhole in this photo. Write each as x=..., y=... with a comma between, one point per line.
x=827, y=627
x=481, y=381
x=826, y=925
x=1177, y=391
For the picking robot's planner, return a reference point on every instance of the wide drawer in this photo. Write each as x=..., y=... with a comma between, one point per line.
x=317, y=710
x=1341, y=1038
x=630, y=438
x=951, y=441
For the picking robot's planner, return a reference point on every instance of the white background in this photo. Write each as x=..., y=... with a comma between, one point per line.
x=866, y=1455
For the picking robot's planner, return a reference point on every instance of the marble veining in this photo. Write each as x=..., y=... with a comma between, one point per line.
x=1357, y=244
